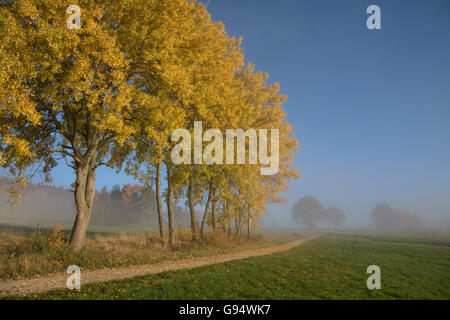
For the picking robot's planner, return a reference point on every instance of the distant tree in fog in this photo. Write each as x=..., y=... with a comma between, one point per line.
x=383, y=216
x=386, y=218
x=125, y=206
x=308, y=211
x=182, y=217
x=336, y=216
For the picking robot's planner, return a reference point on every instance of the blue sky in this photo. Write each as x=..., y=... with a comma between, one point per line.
x=371, y=108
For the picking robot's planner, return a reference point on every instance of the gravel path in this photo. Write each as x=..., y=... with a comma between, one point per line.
x=58, y=281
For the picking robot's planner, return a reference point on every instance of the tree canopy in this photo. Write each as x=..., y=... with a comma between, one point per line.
x=309, y=211
x=113, y=91
x=386, y=218
x=335, y=215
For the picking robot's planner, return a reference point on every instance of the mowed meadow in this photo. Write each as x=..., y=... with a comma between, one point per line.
x=413, y=266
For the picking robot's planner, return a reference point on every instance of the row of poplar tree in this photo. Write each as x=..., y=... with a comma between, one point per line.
x=111, y=94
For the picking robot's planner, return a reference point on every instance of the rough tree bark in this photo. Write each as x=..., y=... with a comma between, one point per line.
x=205, y=215
x=227, y=223
x=239, y=222
x=159, y=204
x=85, y=165
x=84, y=199
x=192, y=209
x=249, y=224
x=170, y=211
x=236, y=227
x=214, y=209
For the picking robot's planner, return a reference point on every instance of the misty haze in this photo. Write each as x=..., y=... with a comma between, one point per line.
x=224, y=151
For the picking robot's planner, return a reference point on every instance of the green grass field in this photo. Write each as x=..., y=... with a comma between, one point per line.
x=332, y=267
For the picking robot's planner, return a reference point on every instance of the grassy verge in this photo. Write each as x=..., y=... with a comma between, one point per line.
x=332, y=267
x=31, y=254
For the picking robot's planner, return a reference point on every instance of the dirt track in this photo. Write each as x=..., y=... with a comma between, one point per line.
x=58, y=281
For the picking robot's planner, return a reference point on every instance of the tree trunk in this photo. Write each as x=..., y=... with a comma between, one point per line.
x=170, y=212
x=205, y=215
x=249, y=225
x=159, y=204
x=227, y=222
x=214, y=210
x=192, y=210
x=84, y=199
x=240, y=222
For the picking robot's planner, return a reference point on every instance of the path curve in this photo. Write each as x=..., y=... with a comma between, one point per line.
x=58, y=281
